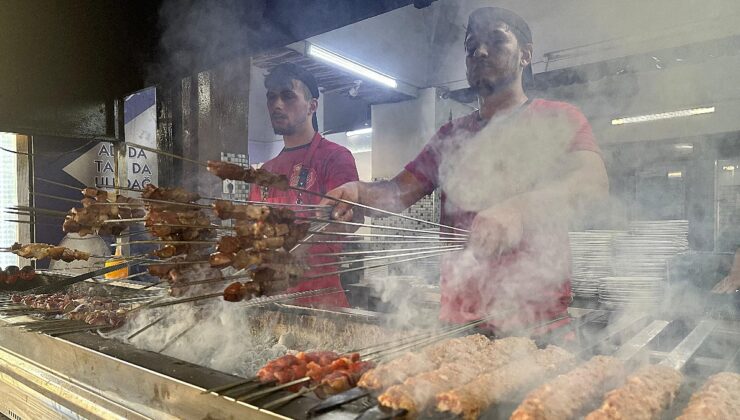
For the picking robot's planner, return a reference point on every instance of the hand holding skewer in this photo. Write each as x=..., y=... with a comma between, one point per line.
x=496, y=231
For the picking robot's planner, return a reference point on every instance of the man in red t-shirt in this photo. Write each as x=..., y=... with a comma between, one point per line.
x=309, y=160
x=514, y=173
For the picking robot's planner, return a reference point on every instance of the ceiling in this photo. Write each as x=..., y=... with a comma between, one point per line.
x=64, y=65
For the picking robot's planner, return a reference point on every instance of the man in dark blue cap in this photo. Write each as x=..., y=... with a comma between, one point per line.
x=308, y=160
x=513, y=173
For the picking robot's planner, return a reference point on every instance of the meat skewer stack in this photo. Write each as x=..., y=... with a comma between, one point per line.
x=99, y=213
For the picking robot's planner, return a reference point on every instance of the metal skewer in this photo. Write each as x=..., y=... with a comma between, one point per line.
x=364, y=206
x=359, y=260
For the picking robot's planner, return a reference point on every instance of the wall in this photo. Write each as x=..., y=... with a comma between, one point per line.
x=400, y=131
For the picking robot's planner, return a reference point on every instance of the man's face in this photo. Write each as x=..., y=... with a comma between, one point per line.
x=493, y=57
x=288, y=107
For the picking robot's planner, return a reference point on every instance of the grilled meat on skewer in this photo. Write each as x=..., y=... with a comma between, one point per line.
x=331, y=372
x=493, y=387
x=12, y=274
x=27, y=273
x=718, y=398
x=261, y=177
x=416, y=393
x=644, y=396
x=93, y=310
x=410, y=364
x=237, y=291
x=569, y=394
x=179, y=195
x=40, y=251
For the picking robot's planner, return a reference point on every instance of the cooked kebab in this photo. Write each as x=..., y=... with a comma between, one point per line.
x=27, y=273
x=262, y=177
x=40, y=251
x=418, y=392
x=332, y=372
x=93, y=310
x=169, y=225
x=225, y=209
x=503, y=384
x=92, y=217
x=569, y=394
x=178, y=195
x=291, y=367
x=644, y=396
x=412, y=363
x=12, y=274
x=718, y=398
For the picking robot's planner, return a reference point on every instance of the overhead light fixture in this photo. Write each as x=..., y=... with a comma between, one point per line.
x=729, y=168
x=663, y=116
x=684, y=146
x=677, y=174
x=346, y=64
x=359, y=132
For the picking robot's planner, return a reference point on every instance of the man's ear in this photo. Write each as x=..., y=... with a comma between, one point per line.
x=313, y=105
x=526, y=55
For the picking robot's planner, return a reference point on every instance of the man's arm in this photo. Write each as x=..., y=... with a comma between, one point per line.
x=395, y=195
x=732, y=282
x=501, y=227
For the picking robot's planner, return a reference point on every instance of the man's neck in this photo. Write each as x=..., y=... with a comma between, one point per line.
x=501, y=103
x=299, y=138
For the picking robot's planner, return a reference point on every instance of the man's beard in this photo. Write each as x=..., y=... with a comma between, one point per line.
x=285, y=131
x=486, y=87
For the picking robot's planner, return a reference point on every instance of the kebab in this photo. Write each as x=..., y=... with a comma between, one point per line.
x=41, y=251
x=92, y=310
x=331, y=372
x=490, y=388
x=644, y=396
x=97, y=212
x=262, y=177
x=416, y=393
x=12, y=274
x=411, y=363
x=718, y=398
x=569, y=394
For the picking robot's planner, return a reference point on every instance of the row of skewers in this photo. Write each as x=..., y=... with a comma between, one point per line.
x=465, y=376
x=259, y=242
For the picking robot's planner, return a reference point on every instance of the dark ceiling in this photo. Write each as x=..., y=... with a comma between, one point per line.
x=64, y=63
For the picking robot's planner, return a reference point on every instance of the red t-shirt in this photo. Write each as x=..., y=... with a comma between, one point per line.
x=477, y=165
x=330, y=166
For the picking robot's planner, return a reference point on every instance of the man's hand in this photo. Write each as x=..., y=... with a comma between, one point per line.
x=729, y=284
x=343, y=211
x=496, y=231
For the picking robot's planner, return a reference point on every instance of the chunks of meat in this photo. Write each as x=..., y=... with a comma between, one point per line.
x=262, y=177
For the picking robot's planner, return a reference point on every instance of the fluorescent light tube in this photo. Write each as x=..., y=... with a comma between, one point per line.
x=346, y=64
x=675, y=174
x=359, y=132
x=684, y=146
x=663, y=116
